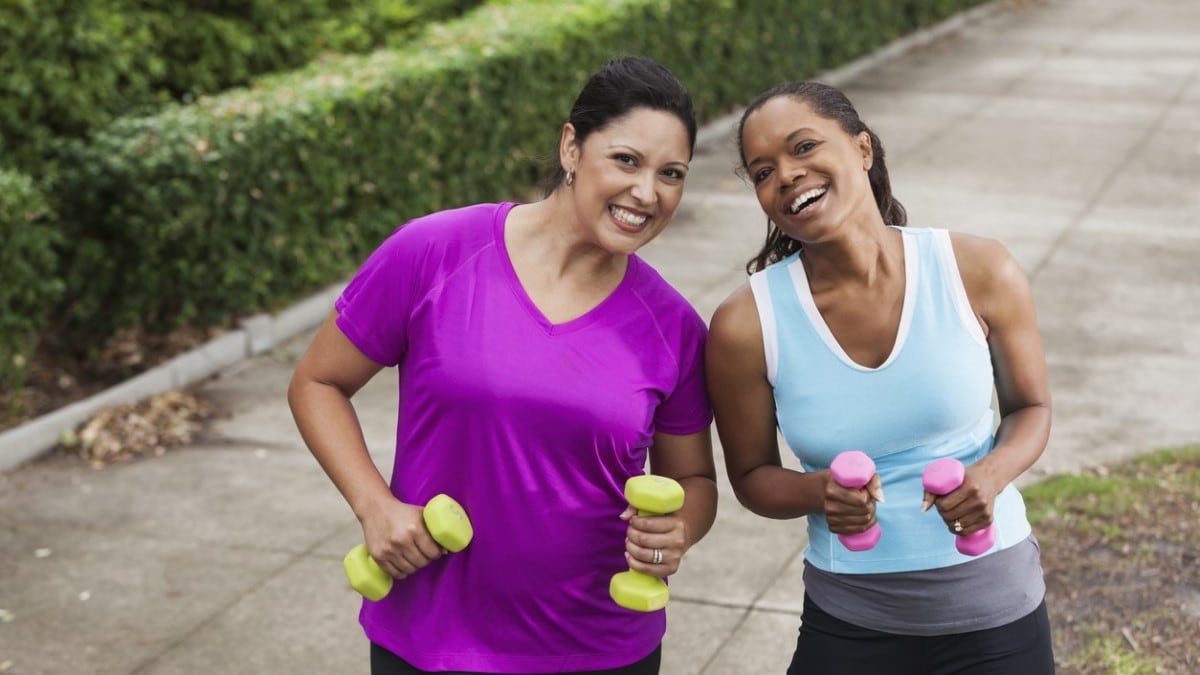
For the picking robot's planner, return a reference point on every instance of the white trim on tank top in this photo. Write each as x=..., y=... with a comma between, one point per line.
x=804, y=294
x=766, y=318
x=961, y=302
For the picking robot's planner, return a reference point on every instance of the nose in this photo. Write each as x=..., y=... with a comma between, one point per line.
x=643, y=187
x=792, y=172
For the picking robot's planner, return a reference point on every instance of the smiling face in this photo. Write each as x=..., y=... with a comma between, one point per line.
x=809, y=175
x=629, y=177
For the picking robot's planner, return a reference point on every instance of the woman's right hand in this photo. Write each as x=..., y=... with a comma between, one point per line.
x=851, y=510
x=396, y=537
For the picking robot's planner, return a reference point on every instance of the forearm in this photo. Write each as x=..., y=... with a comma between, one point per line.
x=1020, y=440
x=699, y=507
x=775, y=492
x=330, y=427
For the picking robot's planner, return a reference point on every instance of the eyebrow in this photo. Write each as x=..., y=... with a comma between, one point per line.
x=790, y=138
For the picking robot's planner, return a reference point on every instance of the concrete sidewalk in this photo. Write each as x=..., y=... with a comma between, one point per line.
x=1069, y=129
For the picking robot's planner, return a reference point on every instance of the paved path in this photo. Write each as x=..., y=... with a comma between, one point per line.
x=1070, y=129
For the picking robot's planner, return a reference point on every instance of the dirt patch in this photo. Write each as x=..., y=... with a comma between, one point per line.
x=58, y=375
x=1121, y=551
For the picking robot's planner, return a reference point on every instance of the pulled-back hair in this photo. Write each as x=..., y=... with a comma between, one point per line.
x=623, y=85
x=830, y=103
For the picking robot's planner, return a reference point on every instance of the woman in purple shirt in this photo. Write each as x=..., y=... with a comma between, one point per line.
x=541, y=364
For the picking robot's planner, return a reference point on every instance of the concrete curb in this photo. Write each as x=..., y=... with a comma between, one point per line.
x=261, y=332
x=256, y=335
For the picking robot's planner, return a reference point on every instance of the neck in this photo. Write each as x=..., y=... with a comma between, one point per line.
x=547, y=235
x=866, y=256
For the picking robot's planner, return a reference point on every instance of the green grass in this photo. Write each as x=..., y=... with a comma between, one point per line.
x=1127, y=508
x=1111, y=491
x=1112, y=655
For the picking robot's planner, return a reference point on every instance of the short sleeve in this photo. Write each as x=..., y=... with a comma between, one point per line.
x=687, y=410
x=374, y=309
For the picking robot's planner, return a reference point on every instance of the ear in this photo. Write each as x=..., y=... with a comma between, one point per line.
x=868, y=153
x=568, y=148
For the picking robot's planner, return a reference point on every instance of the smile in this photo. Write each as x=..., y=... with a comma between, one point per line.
x=626, y=217
x=806, y=200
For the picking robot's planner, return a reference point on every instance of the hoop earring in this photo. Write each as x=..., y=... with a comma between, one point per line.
x=570, y=179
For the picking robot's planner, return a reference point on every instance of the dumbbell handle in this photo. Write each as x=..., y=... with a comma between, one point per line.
x=853, y=469
x=652, y=496
x=447, y=524
x=944, y=476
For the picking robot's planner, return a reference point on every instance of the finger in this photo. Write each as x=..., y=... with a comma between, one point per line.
x=412, y=558
x=655, y=524
x=875, y=488
x=652, y=561
x=428, y=549
x=394, y=570
x=851, y=525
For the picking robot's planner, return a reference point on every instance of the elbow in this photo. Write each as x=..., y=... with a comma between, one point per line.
x=746, y=495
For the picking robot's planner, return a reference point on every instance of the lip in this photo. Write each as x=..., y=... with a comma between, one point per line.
x=627, y=227
x=792, y=195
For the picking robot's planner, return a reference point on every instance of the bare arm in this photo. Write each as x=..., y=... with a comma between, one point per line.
x=688, y=459
x=331, y=371
x=744, y=403
x=1002, y=298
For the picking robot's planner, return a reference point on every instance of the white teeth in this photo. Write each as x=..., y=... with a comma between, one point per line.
x=811, y=194
x=627, y=217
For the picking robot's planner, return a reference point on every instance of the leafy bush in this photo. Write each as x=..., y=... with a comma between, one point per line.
x=29, y=282
x=70, y=66
x=245, y=201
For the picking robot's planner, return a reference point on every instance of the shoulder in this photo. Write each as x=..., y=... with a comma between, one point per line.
x=442, y=235
x=735, y=323
x=989, y=271
x=659, y=297
x=476, y=218
x=982, y=258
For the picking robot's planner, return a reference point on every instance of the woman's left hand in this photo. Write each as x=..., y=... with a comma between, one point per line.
x=654, y=545
x=970, y=507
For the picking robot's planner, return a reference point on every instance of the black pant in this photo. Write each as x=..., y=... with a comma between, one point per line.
x=384, y=662
x=830, y=645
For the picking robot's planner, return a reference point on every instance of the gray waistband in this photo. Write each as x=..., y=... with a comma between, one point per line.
x=988, y=592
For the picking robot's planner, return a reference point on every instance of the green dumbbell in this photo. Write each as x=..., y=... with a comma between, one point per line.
x=447, y=524
x=651, y=496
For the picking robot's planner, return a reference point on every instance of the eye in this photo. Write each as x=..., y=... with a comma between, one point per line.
x=803, y=147
x=626, y=159
x=761, y=175
x=675, y=174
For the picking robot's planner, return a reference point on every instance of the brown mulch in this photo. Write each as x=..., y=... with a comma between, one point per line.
x=126, y=432
x=58, y=375
x=1123, y=570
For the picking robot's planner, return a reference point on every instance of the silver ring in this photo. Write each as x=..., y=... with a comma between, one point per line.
x=657, y=559
x=958, y=526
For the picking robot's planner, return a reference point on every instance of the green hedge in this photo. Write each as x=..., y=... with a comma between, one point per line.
x=69, y=66
x=29, y=283
x=245, y=201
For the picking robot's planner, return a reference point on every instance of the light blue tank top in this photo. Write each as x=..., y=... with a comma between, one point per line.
x=931, y=398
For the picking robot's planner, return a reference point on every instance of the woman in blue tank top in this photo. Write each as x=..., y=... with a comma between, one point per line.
x=856, y=332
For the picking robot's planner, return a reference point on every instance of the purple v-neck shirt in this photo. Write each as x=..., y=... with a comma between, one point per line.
x=533, y=427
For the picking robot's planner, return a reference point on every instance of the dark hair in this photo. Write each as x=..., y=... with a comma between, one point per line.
x=621, y=86
x=832, y=104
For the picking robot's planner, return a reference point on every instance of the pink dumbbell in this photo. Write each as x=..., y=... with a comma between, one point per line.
x=854, y=469
x=942, y=477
